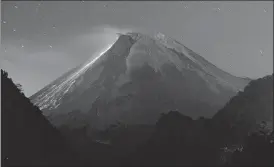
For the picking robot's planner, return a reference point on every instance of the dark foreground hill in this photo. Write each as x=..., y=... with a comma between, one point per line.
x=239, y=134
x=27, y=136
x=28, y=139
x=246, y=111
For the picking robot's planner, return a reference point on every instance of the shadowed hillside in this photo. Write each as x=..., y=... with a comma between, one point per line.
x=177, y=140
x=239, y=134
x=247, y=110
x=27, y=136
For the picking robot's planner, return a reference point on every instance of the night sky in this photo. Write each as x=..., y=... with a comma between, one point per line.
x=42, y=40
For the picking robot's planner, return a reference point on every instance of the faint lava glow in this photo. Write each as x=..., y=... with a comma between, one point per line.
x=66, y=84
x=89, y=63
x=85, y=67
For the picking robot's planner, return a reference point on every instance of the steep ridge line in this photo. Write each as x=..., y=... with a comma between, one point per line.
x=138, y=71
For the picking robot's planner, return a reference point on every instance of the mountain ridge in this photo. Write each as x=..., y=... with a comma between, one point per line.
x=132, y=61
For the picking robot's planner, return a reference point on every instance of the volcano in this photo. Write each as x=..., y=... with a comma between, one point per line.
x=133, y=81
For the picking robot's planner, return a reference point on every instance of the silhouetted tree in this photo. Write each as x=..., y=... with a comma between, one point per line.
x=258, y=150
x=20, y=88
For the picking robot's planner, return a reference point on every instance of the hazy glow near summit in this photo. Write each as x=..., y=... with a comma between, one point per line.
x=70, y=80
x=234, y=36
x=93, y=60
x=90, y=63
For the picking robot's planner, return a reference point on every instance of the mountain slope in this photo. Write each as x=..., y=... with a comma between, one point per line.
x=136, y=79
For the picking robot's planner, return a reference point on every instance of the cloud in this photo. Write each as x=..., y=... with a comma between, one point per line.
x=84, y=45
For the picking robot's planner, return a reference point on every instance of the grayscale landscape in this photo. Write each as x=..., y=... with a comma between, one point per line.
x=136, y=83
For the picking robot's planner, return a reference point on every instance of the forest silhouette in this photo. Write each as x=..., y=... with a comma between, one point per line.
x=240, y=133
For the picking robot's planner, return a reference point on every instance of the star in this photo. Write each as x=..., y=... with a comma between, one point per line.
x=14, y=30
x=22, y=46
x=261, y=52
x=53, y=26
x=4, y=22
x=38, y=6
x=217, y=9
x=50, y=46
x=15, y=6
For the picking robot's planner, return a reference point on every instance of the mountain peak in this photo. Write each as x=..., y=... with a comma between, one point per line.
x=138, y=67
